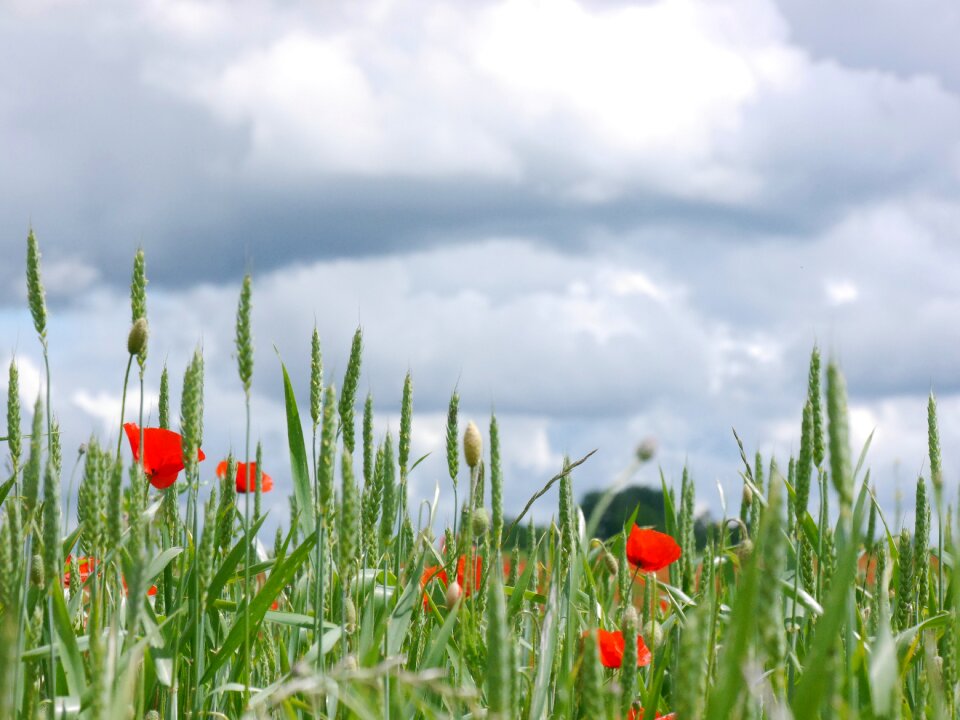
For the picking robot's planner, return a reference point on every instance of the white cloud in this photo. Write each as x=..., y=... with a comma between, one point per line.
x=700, y=101
x=841, y=292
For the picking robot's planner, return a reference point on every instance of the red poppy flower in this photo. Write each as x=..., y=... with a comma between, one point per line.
x=638, y=715
x=84, y=566
x=162, y=455
x=611, y=649
x=651, y=550
x=437, y=571
x=242, y=477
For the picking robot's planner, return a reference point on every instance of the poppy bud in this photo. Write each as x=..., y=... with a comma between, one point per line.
x=454, y=591
x=472, y=444
x=349, y=614
x=611, y=562
x=152, y=715
x=630, y=615
x=747, y=495
x=646, y=449
x=481, y=522
x=652, y=634
x=137, y=339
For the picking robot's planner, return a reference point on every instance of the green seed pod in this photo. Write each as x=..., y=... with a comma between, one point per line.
x=348, y=397
x=36, y=295
x=8, y=568
x=137, y=339
x=388, y=515
x=652, y=634
x=480, y=522
x=806, y=564
x=244, y=338
x=933, y=442
x=51, y=522
x=368, y=452
x=37, y=570
x=226, y=511
x=628, y=666
x=514, y=573
x=688, y=543
x=349, y=613
x=828, y=561
x=905, y=587
x=278, y=543
x=646, y=450
x=328, y=449
x=813, y=396
x=14, y=441
x=316, y=379
x=31, y=471
x=164, y=399
x=138, y=287
x=349, y=521
x=948, y=651
x=498, y=673
x=880, y=589
x=208, y=540
x=191, y=414
x=472, y=445
x=370, y=507
x=453, y=455
x=839, y=434
x=406, y=420
x=804, y=461
x=114, y=526
x=623, y=577
x=921, y=543
x=496, y=483
x=453, y=594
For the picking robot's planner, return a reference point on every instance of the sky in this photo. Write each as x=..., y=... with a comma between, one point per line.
x=605, y=221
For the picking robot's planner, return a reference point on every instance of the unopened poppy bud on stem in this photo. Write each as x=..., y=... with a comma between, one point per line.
x=137, y=338
x=472, y=445
x=454, y=593
x=652, y=634
x=481, y=522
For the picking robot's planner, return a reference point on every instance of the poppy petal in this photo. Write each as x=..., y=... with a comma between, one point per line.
x=651, y=550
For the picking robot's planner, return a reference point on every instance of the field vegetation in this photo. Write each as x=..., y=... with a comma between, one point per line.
x=158, y=600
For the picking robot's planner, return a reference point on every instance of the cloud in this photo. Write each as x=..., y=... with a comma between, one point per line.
x=604, y=220
x=223, y=135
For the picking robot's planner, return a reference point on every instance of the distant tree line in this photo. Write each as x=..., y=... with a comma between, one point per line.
x=648, y=502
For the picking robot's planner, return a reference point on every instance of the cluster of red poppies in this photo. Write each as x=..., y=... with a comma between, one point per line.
x=163, y=459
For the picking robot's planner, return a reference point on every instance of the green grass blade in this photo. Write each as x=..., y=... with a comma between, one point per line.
x=299, y=467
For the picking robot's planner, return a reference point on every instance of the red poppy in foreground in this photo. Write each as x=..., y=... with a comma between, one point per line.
x=162, y=453
x=242, y=477
x=437, y=572
x=651, y=550
x=84, y=566
x=611, y=649
x=638, y=715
